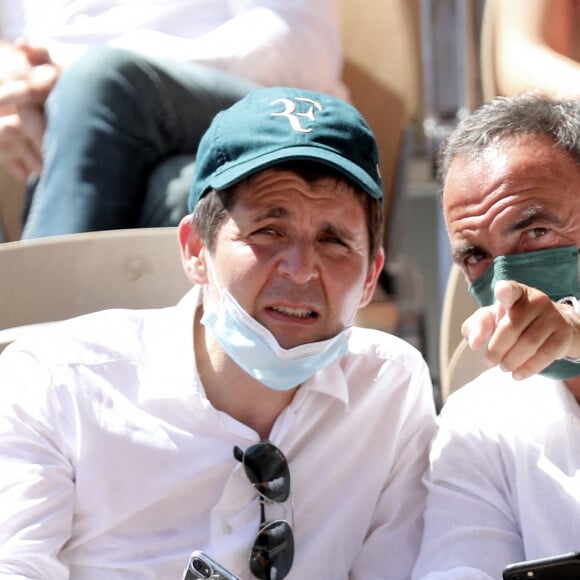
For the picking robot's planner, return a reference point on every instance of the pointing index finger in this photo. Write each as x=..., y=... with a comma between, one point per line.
x=508, y=292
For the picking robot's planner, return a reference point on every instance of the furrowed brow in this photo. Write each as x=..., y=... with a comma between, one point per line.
x=271, y=213
x=530, y=216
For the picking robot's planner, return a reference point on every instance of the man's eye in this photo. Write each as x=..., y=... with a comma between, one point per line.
x=474, y=258
x=268, y=230
x=333, y=240
x=536, y=233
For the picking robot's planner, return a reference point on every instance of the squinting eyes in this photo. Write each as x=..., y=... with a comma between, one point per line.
x=333, y=240
x=324, y=238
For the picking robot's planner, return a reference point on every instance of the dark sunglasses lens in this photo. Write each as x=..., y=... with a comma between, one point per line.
x=273, y=551
x=267, y=468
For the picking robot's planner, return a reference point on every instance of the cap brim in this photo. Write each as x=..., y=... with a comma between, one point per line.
x=231, y=174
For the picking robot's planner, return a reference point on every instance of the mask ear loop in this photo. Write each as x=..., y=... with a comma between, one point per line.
x=212, y=275
x=211, y=269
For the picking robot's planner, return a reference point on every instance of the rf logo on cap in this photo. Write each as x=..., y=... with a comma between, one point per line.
x=274, y=125
x=290, y=107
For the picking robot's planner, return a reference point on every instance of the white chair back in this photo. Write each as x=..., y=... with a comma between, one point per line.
x=54, y=278
x=458, y=364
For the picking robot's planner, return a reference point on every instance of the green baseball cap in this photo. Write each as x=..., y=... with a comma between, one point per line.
x=276, y=124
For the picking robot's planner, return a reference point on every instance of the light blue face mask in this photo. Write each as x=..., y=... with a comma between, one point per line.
x=553, y=271
x=255, y=349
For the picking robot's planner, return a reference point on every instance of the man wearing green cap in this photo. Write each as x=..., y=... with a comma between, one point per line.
x=252, y=421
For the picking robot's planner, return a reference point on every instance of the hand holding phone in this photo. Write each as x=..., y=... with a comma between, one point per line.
x=201, y=565
x=560, y=567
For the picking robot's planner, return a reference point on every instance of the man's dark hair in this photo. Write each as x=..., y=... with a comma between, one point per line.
x=530, y=113
x=212, y=209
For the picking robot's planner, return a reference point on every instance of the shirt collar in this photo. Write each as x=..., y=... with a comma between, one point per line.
x=330, y=381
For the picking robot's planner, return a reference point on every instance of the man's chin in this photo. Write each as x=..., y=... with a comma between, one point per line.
x=287, y=342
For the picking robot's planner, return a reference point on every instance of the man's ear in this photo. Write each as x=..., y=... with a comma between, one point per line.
x=372, y=277
x=192, y=251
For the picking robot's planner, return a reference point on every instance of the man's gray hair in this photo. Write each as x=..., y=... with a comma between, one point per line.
x=530, y=113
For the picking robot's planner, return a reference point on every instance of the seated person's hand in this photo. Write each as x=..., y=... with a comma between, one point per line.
x=27, y=76
x=21, y=133
x=14, y=63
x=32, y=88
x=35, y=55
x=525, y=331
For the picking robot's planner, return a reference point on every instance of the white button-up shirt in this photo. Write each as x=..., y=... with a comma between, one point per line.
x=115, y=465
x=505, y=479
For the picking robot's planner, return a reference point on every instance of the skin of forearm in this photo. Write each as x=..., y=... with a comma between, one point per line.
x=538, y=68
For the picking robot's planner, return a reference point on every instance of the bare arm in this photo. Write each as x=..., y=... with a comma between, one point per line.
x=534, y=42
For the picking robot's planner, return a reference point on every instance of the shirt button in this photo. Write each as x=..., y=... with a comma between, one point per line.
x=227, y=528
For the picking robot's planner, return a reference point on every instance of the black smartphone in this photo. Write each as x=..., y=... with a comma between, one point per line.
x=560, y=567
x=201, y=565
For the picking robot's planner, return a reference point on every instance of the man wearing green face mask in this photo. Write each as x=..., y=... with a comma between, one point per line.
x=505, y=466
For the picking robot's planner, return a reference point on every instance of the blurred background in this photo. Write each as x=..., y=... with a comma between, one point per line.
x=433, y=66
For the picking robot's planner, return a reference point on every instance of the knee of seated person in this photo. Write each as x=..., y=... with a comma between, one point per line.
x=100, y=73
x=167, y=192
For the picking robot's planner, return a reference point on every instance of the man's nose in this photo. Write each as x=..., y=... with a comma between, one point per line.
x=299, y=262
